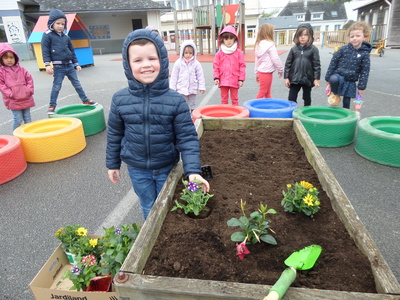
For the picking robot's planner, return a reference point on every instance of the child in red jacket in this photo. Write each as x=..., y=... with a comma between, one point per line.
x=229, y=66
x=16, y=86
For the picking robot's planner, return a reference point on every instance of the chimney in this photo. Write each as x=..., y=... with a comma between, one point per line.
x=305, y=4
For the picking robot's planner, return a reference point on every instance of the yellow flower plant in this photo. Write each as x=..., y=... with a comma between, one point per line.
x=301, y=197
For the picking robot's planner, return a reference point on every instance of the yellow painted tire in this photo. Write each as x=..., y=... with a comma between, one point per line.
x=51, y=139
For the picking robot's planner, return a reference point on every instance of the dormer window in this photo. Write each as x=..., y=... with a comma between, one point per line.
x=334, y=13
x=300, y=17
x=317, y=16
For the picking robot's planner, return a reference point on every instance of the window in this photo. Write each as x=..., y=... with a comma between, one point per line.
x=334, y=13
x=300, y=17
x=316, y=16
x=337, y=27
x=326, y=27
x=3, y=36
x=317, y=28
x=251, y=31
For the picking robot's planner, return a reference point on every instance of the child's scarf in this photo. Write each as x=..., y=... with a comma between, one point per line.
x=230, y=50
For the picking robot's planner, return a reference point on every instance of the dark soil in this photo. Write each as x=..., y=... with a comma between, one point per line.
x=256, y=165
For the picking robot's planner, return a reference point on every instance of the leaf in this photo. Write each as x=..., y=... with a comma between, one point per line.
x=238, y=236
x=234, y=222
x=269, y=239
x=120, y=257
x=271, y=211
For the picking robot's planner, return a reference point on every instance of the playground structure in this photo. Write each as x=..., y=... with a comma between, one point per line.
x=204, y=23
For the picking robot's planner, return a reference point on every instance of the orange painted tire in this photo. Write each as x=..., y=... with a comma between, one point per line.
x=12, y=159
x=220, y=111
x=51, y=139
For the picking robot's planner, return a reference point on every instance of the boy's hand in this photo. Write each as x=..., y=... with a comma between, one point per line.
x=78, y=68
x=202, y=91
x=49, y=70
x=316, y=83
x=361, y=92
x=114, y=175
x=287, y=82
x=216, y=81
x=204, y=183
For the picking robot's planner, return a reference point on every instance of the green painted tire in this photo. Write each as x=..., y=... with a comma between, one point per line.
x=328, y=126
x=378, y=140
x=92, y=117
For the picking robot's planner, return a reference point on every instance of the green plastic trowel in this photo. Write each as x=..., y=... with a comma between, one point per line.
x=300, y=260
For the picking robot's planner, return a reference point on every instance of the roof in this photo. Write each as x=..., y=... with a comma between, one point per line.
x=284, y=22
x=79, y=6
x=75, y=29
x=327, y=7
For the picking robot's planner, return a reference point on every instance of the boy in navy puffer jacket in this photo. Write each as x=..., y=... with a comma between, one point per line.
x=149, y=125
x=351, y=63
x=57, y=48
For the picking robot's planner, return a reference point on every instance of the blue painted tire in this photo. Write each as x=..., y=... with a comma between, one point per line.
x=378, y=140
x=92, y=117
x=270, y=108
x=328, y=126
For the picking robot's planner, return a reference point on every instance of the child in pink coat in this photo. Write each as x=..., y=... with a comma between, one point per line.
x=267, y=60
x=229, y=66
x=16, y=86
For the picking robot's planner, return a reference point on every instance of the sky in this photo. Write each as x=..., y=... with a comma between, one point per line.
x=270, y=5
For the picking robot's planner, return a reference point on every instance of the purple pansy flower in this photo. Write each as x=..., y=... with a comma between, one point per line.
x=75, y=270
x=118, y=230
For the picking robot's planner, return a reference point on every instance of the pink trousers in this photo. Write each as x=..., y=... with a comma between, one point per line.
x=234, y=95
x=265, y=81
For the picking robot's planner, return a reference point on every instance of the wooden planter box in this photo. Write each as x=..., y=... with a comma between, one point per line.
x=134, y=286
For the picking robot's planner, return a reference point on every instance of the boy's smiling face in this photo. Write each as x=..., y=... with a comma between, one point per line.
x=59, y=25
x=356, y=38
x=144, y=62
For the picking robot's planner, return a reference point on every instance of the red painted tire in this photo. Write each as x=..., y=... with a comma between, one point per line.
x=12, y=159
x=220, y=111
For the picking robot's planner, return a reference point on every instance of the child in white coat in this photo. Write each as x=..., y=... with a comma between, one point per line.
x=187, y=76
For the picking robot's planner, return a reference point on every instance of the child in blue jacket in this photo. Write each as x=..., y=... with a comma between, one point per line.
x=57, y=49
x=149, y=125
x=351, y=63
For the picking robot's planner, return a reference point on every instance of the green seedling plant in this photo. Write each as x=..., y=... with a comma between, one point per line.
x=301, y=197
x=256, y=228
x=116, y=243
x=193, y=199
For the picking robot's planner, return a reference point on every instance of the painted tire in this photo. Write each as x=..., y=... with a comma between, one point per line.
x=328, y=126
x=270, y=108
x=220, y=111
x=12, y=159
x=92, y=117
x=51, y=139
x=378, y=140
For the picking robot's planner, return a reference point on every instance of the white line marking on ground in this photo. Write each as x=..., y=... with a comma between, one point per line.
x=119, y=213
x=208, y=96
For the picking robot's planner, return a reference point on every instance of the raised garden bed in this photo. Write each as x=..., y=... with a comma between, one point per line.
x=371, y=271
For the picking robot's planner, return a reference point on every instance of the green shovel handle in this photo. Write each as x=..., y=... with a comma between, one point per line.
x=280, y=287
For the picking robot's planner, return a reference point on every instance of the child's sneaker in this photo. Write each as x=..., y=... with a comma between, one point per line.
x=90, y=103
x=50, y=110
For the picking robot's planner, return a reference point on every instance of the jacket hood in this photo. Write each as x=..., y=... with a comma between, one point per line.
x=365, y=46
x=7, y=48
x=310, y=29
x=53, y=16
x=229, y=29
x=162, y=80
x=191, y=44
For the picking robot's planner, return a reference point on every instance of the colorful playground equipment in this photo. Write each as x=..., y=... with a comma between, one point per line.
x=76, y=30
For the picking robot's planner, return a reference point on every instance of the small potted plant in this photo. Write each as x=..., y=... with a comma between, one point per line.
x=116, y=243
x=301, y=197
x=256, y=228
x=193, y=199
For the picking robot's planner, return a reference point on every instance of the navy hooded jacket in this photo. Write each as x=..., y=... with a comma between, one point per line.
x=57, y=48
x=353, y=64
x=149, y=125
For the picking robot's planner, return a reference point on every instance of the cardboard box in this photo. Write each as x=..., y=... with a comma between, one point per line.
x=44, y=285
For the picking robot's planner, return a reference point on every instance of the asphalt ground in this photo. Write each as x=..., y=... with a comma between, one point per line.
x=76, y=190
